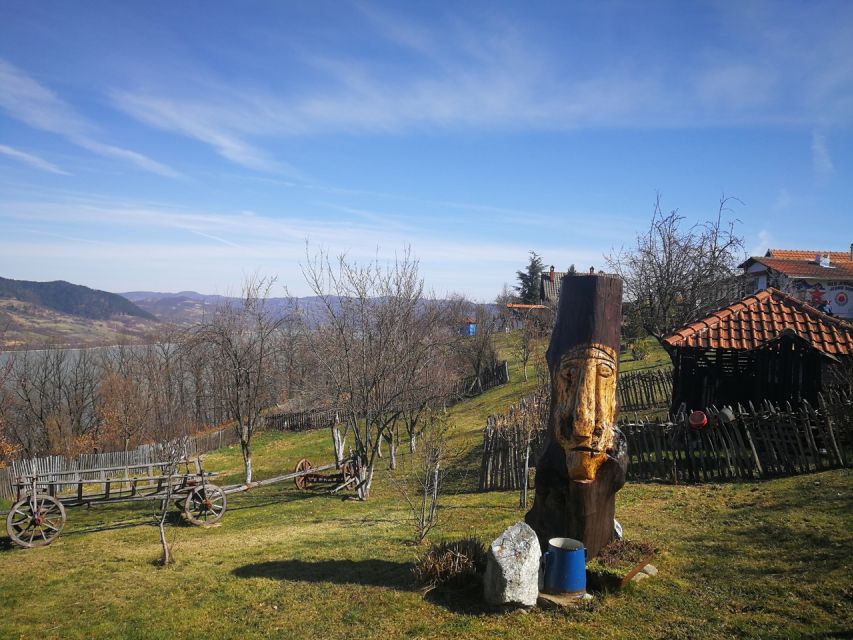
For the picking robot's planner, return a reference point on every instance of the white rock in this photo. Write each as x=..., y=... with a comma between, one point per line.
x=639, y=576
x=512, y=570
x=650, y=569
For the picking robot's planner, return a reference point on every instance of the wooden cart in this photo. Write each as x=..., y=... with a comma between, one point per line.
x=38, y=515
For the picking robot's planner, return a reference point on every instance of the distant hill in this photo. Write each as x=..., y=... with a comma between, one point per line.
x=186, y=307
x=190, y=307
x=71, y=299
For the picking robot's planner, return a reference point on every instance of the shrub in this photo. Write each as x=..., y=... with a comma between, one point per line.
x=639, y=351
x=457, y=563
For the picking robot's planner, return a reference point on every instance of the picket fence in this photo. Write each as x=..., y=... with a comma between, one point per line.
x=744, y=443
x=645, y=390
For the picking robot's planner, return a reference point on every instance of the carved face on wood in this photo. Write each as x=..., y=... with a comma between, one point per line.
x=583, y=407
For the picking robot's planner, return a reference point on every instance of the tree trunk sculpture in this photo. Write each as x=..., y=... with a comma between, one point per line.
x=586, y=456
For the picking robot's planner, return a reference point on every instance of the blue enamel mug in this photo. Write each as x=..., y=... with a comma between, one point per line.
x=564, y=566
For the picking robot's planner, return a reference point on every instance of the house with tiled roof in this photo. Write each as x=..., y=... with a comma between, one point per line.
x=768, y=345
x=549, y=285
x=823, y=279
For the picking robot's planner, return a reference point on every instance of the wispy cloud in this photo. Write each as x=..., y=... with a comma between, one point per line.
x=31, y=160
x=821, y=161
x=783, y=200
x=203, y=124
x=762, y=243
x=26, y=100
x=498, y=74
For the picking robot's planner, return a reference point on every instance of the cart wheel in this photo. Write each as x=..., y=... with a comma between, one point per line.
x=181, y=504
x=349, y=470
x=35, y=521
x=300, y=481
x=205, y=505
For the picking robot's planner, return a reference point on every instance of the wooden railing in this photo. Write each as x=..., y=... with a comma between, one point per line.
x=744, y=443
x=645, y=390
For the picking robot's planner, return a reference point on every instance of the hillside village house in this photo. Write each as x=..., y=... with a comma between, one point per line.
x=823, y=279
x=549, y=286
x=768, y=345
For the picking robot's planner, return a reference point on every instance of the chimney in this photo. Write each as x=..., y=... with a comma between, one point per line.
x=592, y=271
x=824, y=261
x=551, y=274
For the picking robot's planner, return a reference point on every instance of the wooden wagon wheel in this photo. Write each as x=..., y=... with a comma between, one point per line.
x=349, y=470
x=35, y=521
x=300, y=481
x=205, y=505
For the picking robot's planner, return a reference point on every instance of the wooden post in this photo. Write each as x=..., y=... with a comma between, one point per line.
x=586, y=456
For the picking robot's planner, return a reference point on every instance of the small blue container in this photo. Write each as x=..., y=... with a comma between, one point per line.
x=564, y=566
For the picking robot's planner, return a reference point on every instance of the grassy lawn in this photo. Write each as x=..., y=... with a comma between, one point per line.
x=656, y=357
x=763, y=560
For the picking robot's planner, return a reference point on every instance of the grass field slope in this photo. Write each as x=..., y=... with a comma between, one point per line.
x=758, y=560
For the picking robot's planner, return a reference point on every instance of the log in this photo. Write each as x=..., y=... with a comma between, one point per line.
x=586, y=456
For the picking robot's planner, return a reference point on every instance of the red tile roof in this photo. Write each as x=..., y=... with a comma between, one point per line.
x=808, y=256
x=803, y=269
x=762, y=317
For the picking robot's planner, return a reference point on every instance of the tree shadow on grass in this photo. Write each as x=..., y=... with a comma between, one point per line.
x=463, y=600
x=377, y=573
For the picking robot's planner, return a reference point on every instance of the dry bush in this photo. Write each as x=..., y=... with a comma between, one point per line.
x=624, y=552
x=456, y=563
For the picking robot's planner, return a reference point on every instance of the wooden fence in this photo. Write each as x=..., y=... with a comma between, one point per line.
x=747, y=443
x=645, y=390
x=742, y=444
x=489, y=378
x=301, y=421
x=512, y=442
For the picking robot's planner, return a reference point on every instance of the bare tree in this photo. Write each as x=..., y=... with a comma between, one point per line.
x=242, y=341
x=123, y=409
x=534, y=327
x=478, y=350
x=420, y=484
x=673, y=273
x=8, y=448
x=55, y=404
x=373, y=344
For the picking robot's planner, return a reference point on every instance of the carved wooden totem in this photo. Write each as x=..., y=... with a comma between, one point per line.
x=586, y=457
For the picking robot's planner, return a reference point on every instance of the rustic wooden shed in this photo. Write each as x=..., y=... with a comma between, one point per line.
x=768, y=345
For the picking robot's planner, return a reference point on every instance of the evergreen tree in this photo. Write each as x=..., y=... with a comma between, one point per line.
x=528, y=280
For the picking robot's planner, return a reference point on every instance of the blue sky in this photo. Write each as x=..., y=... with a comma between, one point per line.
x=170, y=146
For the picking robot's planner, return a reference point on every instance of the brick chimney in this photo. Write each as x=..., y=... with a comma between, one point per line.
x=551, y=273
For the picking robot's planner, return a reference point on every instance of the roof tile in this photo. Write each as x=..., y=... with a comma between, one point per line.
x=804, y=269
x=761, y=317
x=809, y=256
